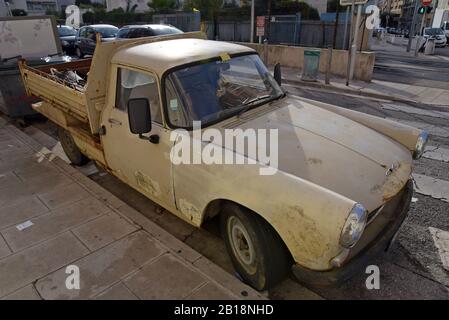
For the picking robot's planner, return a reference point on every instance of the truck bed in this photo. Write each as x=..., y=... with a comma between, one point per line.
x=63, y=95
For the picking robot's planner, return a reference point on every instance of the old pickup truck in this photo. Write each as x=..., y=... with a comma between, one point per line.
x=341, y=188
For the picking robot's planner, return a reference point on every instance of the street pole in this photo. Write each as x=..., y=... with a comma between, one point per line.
x=252, y=20
x=411, y=33
x=354, y=41
x=420, y=34
x=348, y=69
x=345, y=35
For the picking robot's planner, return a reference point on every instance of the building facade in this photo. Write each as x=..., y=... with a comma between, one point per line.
x=441, y=13
x=33, y=7
x=4, y=10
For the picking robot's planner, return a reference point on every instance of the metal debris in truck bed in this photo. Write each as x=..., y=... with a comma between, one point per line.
x=69, y=78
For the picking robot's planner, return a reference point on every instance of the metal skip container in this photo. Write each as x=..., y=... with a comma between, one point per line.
x=34, y=38
x=311, y=65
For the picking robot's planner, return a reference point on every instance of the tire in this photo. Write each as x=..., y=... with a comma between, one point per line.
x=71, y=149
x=79, y=53
x=257, y=252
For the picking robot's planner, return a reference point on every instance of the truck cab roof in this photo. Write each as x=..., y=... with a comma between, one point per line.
x=161, y=56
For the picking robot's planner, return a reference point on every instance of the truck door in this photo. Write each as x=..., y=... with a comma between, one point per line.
x=142, y=164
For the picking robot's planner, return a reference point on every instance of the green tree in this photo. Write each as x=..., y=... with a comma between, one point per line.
x=209, y=8
x=80, y=2
x=163, y=6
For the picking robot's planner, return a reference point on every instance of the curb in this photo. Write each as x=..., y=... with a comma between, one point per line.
x=331, y=88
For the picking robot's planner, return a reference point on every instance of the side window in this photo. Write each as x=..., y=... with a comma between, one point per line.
x=122, y=33
x=147, y=33
x=133, y=84
x=83, y=32
x=176, y=112
x=90, y=33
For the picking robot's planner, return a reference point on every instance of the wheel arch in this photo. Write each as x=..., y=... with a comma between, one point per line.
x=214, y=207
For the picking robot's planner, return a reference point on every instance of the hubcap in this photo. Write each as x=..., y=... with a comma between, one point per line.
x=241, y=244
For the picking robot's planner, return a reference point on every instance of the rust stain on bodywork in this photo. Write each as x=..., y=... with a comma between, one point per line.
x=314, y=161
x=147, y=184
x=189, y=209
x=307, y=236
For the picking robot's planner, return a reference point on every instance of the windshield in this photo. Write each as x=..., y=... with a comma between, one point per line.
x=107, y=32
x=66, y=31
x=433, y=31
x=165, y=30
x=213, y=91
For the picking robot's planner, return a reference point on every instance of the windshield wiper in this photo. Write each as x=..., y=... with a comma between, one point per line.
x=247, y=104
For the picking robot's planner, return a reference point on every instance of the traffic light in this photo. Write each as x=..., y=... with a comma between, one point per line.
x=422, y=10
x=429, y=9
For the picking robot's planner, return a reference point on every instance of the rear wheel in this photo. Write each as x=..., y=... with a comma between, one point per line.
x=257, y=252
x=71, y=149
x=79, y=53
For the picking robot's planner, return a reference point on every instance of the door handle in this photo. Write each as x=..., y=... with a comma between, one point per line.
x=114, y=121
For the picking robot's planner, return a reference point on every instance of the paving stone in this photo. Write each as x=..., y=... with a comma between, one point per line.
x=49, y=225
x=26, y=293
x=211, y=291
x=117, y=292
x=9, y=179
x=20, y=212
x=4, y=249
x=165, y=278
x=8, y=164
x=227, y=280
x=166, y=238
x=102, y=268
x=22, y=268
x=64, y=195
x=35, y=170
x=15, y=195
x=103, y=230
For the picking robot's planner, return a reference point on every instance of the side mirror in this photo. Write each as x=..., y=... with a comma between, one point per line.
x=139, y=116
x=277, y=73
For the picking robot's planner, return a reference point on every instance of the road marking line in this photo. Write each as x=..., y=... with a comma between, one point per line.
x=417, y=111
x=441, y=240
x=436, y=188
x=434, y=130
x=436, y=153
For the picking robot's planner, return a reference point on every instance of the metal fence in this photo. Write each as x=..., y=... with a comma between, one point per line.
x=184, y=21
x=288, y=30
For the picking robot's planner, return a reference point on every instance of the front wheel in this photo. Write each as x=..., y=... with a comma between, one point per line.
x=71, y=149
x=256, y=250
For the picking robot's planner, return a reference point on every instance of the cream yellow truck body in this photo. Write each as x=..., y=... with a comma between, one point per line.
x=330, y=158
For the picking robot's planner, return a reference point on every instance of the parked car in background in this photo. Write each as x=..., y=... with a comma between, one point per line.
x=86, y=38
x=67, y=35
x=437, y=34
x=147, y=30
x=379, y=31
x=445, y=28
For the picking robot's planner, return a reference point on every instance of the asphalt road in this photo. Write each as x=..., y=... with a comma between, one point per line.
x=431, y=71
x=412, y=269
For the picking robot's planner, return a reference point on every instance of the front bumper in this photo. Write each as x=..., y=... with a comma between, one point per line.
x=366, y=250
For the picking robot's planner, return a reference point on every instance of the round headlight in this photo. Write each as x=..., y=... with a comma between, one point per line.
x=354, y=226
x=64, y=43
x=420, y=145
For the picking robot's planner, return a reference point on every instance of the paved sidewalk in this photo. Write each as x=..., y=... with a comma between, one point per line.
x=70, y=220
x=375, y=88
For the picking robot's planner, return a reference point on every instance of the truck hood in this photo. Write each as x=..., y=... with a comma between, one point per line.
x=333, y=151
